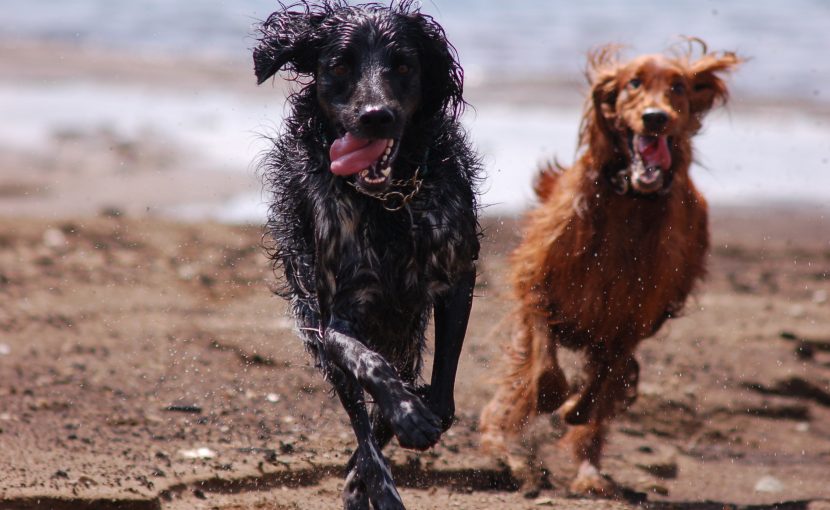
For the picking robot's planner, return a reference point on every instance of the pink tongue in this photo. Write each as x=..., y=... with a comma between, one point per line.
x=654, y=151
x=350, y=154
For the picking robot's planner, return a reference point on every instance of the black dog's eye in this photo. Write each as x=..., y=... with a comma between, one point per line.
x=635, y=83
x=403, y=69
x=678, y=88
x=340, y=70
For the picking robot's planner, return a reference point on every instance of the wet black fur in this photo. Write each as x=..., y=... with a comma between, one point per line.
x=363, y=280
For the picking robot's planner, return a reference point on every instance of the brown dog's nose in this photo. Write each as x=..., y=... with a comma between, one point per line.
x=655, y=119
x=376, y=117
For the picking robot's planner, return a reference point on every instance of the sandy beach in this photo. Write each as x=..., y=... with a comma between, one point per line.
x=144, y=363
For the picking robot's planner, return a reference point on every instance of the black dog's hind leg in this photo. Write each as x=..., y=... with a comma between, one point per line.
x=355, y=488
x=411, y=420
x=369, y=478
x=452, y=312
x=381, y=432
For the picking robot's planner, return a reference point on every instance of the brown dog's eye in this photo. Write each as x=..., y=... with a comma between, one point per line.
x=678, y=88
x=635, y=83
x=340, y=70
x=403, y=69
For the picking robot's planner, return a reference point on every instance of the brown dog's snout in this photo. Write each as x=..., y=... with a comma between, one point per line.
x=655, y=119
x=374, y=117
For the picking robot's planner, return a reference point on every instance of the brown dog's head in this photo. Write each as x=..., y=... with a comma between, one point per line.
x=646, y=110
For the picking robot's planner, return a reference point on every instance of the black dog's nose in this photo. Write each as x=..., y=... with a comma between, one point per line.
x=655, y=119
x=376, y=116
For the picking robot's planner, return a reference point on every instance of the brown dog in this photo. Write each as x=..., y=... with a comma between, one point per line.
x=612, y=251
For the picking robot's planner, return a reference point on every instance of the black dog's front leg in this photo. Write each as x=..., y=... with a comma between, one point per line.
x=369, y=478
x=411, y=420
x=452, y=312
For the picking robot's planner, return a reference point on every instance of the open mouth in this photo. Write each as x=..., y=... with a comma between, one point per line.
x=650, y=163
x=370, y=161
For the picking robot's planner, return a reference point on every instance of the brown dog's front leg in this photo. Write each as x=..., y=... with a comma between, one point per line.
x=581, y=410
x=412, y=422
x=612, y=387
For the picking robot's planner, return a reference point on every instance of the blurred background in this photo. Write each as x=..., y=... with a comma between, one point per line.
x=150, y=107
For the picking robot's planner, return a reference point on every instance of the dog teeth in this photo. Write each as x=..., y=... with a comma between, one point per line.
x=387, y=151
x=386, y=171
x=364, y=173
x=390, y=144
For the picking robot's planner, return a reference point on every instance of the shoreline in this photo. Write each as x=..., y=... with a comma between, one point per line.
x=89, y=129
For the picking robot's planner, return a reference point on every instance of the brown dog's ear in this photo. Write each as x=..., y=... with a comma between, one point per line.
x=604, y=96
x=708, y=87
x=602, y=74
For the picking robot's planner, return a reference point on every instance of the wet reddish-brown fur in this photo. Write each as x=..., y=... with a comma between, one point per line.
x=597, y=271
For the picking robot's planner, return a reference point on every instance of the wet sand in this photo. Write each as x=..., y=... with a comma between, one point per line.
x=133, y=348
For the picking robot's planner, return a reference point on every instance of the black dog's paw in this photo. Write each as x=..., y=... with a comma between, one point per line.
x=354, y=491
x=370, y=480
x=387, y=502
x=444, y=411
x=413, y=423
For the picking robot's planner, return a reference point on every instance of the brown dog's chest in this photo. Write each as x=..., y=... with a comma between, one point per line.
x=620, y=276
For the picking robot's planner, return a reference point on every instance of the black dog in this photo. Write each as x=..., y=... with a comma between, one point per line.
x=374, y=216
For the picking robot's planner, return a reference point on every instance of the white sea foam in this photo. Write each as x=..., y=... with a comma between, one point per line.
x=746, y=158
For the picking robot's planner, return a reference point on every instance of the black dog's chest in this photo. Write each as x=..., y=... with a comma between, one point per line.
x=386, y=258
x=381, y=272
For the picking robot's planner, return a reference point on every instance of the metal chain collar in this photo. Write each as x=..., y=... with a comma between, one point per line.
x=394, y=200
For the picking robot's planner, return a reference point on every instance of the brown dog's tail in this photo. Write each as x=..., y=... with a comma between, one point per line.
x=546, y=179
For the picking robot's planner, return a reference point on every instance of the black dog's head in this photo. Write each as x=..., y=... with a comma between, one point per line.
x=377, y=72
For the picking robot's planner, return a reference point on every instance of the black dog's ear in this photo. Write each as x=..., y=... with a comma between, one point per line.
x=442, y=75
x=288, y=39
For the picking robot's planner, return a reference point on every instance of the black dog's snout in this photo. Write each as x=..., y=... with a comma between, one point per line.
x=376, y=117
x=655, y=119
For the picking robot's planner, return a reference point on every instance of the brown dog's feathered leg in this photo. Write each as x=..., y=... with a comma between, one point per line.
x=616, y=391
x=612, y=387
x=533, y=383
x=586, y=442
x=581, y=408
x=612, y=375
x=620, y=391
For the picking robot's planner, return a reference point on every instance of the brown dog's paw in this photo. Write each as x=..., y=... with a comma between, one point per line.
x=494, y=443
x=590, y=482
x=574, y=411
